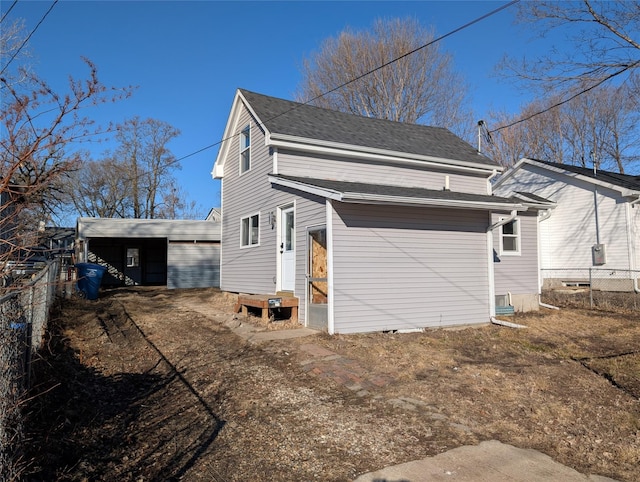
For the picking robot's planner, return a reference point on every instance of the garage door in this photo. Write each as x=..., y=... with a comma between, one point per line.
x=193, y=264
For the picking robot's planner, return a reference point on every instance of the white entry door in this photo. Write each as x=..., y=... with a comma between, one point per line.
x=287, y=249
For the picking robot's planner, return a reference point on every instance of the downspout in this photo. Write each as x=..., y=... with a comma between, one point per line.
x=491, y=273
x=493, y=174
x=546, y=215
x=630, y=252
x=506, y=323
x=595, y=205
x=512, y=216
x=331, y=323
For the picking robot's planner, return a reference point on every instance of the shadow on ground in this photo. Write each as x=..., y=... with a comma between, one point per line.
x=85, y=423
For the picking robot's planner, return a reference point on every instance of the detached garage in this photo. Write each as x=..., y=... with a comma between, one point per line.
x=178, y=253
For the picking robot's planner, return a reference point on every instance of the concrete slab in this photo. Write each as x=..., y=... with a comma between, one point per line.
x=490, y=461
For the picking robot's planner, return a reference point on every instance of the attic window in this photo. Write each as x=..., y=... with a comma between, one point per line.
x=245, y=149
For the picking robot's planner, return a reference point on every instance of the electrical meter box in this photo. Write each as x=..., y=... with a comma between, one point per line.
x=599, y=254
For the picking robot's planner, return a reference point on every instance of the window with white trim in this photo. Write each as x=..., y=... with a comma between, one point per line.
x=250, y=230
x=510, y=237
x=245, y=149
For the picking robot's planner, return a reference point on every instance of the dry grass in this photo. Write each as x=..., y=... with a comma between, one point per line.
x=152, y=388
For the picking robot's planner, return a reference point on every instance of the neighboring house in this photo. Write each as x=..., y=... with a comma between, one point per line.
x=595, y=223
x=178, y=253
x=57, y=239
x=374, y=225
x=214, y=215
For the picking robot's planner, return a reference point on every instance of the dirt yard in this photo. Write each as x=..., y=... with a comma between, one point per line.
x=154, y=385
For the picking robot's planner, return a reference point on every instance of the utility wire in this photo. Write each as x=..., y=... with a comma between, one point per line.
x=28, y=36
x=562, y=102
x=7, y=12
x=355, y=79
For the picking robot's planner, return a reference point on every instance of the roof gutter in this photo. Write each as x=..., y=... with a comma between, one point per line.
x=356, y=197
x=350, y=197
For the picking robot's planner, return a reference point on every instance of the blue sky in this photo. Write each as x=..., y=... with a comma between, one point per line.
x=189, y=57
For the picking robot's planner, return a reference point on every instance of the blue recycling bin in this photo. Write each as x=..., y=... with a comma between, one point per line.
x=89, y=279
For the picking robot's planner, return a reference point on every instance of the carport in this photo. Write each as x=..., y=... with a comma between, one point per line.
x=178, y=253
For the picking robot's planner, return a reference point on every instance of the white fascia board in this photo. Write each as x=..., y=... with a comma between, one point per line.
x=238, y=102
x=350, y=197
x=300, y=186
x=218, y=167
x=506, y=175
x=359, y=152
x=623, y=191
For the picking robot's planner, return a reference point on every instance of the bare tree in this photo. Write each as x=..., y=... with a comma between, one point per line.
x=601, y=42
x=175, y=204
x=40, y=129
x=596, y=127
x=101, y=189
x=418, y=88
x=136, y=181
x=144, y=150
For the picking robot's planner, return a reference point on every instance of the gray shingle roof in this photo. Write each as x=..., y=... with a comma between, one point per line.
x=626, y=181
x=281, y=116
x=398, y=191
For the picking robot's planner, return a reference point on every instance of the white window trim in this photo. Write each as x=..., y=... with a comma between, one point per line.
x=244, y=246
x=517, y=236
x=241, y=150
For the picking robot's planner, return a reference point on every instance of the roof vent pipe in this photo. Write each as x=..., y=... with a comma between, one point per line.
x=483, y=131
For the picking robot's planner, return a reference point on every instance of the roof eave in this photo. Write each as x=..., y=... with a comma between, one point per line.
x=353, y=197
x=624, y=192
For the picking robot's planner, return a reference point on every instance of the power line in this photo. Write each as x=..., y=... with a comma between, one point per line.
x=355, y=79
x=28, y=36
x=7, y=12
x=562, y=102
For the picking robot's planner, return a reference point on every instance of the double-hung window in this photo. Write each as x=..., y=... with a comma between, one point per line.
x=510, y=237
x=245, y=149
x=250, y=230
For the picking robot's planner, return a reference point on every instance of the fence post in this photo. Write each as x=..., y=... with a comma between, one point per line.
x=590, y=288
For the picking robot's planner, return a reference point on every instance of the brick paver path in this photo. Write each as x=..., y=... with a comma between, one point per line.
x=324, y=363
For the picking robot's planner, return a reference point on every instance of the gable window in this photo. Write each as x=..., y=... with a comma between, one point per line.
x=245, y=149
x=250, y=230
x=510, y=237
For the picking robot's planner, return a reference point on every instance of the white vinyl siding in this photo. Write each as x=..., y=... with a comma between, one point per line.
x=341, y=169
x=568, y=235
x=408, y=268
x=247, y=270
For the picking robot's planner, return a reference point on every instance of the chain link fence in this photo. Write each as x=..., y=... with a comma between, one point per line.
x=592, y=288
x=24, y=312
